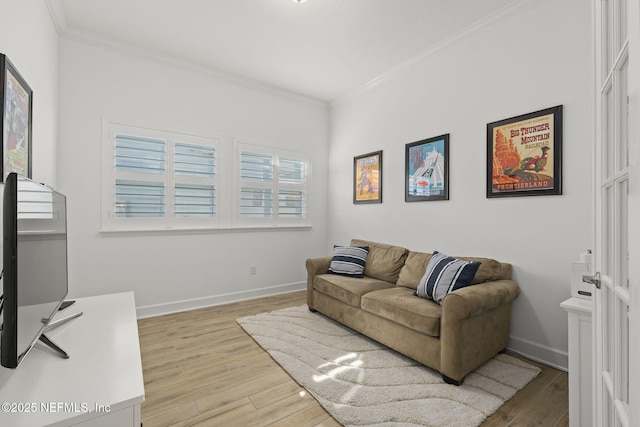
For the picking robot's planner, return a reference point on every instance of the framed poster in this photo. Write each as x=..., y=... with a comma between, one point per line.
x=367, y=178
x=427, y=169
x=524, y=155
x=17, y=101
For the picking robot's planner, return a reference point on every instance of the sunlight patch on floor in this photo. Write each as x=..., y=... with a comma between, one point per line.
x=342, y=360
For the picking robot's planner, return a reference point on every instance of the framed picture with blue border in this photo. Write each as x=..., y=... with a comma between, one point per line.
x=427, y=169
x=367, y=178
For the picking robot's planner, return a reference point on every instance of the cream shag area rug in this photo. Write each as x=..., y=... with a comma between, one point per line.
x=363, y=383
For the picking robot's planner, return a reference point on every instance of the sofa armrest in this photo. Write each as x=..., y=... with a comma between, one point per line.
x=475, y=325
x=315, y=266
x=473, y=300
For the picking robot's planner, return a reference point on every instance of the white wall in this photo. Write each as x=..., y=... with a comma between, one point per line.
x=166, y=268
x=537, y=59
x=29, y=39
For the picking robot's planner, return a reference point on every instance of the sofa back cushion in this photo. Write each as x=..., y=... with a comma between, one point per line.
x=416, y=265
x=414, y=268
x=384, y=262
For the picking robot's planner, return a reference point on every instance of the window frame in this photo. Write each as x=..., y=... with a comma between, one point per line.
x=111, y=222
x=276, y=186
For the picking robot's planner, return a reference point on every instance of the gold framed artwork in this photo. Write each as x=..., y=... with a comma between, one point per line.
x=367, y=178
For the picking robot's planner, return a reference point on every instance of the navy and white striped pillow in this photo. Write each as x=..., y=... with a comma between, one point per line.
x=349, y=260
x=445, y=274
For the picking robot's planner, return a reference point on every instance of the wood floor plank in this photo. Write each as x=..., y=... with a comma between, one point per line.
x=201, y=369
x=523, y=398
x=313, y=416
x=266, y=397
x=278, y=412
x=172, y=416
x=554, y=400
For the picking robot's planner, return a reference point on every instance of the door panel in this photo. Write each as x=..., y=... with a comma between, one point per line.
x=613, y=174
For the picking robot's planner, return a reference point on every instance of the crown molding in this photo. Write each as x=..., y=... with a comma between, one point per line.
x=58, y=17
x=505, y=13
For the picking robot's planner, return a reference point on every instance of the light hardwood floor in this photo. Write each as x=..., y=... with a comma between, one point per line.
x=201, y=368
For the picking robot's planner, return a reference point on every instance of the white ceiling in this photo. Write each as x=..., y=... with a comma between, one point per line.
x=323, y=49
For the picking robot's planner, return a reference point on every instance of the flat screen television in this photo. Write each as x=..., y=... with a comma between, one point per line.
x=35, y=265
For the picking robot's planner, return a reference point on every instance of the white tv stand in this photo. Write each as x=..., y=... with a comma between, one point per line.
x=100, y=384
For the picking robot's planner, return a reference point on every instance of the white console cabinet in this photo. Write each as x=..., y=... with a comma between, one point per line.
x=100, y=384
x=580, y=361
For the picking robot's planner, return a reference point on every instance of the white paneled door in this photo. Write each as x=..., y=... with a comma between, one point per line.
x=616, y=304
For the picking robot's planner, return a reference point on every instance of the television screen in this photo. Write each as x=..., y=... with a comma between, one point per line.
x=35, y=263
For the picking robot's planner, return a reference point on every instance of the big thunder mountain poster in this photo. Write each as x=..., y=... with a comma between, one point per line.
x=524, y=155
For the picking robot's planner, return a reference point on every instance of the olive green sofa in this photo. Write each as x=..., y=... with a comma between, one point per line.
x=471, y=326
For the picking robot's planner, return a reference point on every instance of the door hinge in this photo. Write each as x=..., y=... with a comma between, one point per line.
x=594, y=280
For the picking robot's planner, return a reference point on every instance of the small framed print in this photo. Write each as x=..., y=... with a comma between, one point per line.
x=524, y=155
x=427, y=169
x=367, y=178
x=17, y=100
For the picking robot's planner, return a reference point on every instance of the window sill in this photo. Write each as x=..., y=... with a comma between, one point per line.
x=141, y=231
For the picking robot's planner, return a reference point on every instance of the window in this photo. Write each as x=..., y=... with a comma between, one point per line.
x=158, y=178
x=272, y=187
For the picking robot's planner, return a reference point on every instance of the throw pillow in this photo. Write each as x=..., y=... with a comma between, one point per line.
x=445, y=274
x=349, y=260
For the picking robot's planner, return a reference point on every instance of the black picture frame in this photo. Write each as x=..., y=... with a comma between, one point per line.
x=16, y=122
x=524, y=155
x=427, y=169
x=367, y=178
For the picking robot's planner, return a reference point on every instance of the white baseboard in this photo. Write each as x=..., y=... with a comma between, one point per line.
x=548, y=355
x=192, y=304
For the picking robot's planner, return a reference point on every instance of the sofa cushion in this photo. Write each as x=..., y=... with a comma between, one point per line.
x=348, y=289
x=384, y=262
x=413, y=269
x=416, y=265
x=445, y=274
x=399, y=305
x=349, y=260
